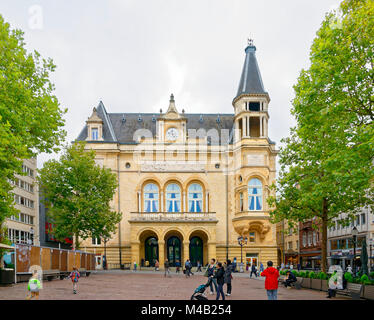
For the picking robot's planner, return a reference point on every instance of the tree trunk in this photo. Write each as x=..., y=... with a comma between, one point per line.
x=324, y=236
x=76, y=242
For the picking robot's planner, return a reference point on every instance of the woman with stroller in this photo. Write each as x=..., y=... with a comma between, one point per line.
x=229, y=269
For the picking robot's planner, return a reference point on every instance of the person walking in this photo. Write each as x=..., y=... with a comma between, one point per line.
x=253, y=270
x=228, y=276
x=219, y=275
x=188, y=267
x=261, y=267
x=74, y=276
x=135, y=265
x=167, y=267
x=210, y=273
x=177, y=265
x=333, y=285
x=271, y=281
x=198, y=266
x=157, y=265
x=33, y=286
x=298, y=267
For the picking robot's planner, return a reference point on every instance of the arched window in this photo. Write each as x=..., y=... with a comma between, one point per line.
x=151, y=198
x=255, y=195
x=173, y=198
x=195, y=198
x=241, y=203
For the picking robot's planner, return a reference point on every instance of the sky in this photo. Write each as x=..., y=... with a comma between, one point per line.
x=132, y=54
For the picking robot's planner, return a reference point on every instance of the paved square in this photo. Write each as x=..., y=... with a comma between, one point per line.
x=128, y=285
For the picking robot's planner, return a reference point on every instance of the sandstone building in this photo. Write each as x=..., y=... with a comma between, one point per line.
x=189, y=184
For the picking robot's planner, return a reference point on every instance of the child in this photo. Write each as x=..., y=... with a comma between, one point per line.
x=33, y=286
x=74, y=276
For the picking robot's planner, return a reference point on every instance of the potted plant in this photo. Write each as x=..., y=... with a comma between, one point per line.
x=315, y=282
x=324, y=281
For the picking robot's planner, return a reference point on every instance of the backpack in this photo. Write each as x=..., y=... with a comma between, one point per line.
x=34, y=285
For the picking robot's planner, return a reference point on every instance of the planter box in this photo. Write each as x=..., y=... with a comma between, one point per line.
x=325, y=285
x=368, y=292
x=6, y=276
x=306, y=283
x=316, y=284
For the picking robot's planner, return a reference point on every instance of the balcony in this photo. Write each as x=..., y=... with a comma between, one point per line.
x=173, y=217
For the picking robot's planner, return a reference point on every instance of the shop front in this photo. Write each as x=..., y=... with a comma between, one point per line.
x=291, y=257
x=310, y=261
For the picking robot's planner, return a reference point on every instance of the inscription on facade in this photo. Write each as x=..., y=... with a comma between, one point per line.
x=172, y=166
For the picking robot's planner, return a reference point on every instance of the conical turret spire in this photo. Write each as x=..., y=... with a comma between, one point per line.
x=250, y=81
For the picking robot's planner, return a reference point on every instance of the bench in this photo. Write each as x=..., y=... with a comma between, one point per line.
x=353, y=289
x=50, y=274
x=296, y=284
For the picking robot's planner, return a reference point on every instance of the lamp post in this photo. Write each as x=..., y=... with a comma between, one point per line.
x=242, y=241
x=370, y=257
x=354, y=234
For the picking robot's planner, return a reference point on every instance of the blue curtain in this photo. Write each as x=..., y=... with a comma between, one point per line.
x=154, y=206
x=148, y=206
x=170, y=206
x=192, y=206
x=198, y=206
x=176, y=206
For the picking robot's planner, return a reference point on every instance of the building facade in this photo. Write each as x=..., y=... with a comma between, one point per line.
x=310, y=245
x=189, y=184
x=24, y=226
x=340, y=239
x=288, y=243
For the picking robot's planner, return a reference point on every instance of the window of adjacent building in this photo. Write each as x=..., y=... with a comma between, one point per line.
x=151, y=196
x=314, y=238
x=27, y=170
x=255, y=195
x=252, y=237
x=195, y=198
x=363, y=218
x=304, y=239
x=357, y=220
x=96, y=241
x=290, y=245
x=95, y=133
x=173, y=198
x=310, y=236
x=241, y=204
x=290, y=232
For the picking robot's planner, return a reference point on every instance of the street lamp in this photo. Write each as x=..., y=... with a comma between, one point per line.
x=242, y=241
x=354, y=234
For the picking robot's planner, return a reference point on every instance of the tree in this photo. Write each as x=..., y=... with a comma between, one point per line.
x=78, y=193
x=327, y=162
x=30, y=117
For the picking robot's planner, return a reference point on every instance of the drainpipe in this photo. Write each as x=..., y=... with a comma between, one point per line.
x=119, y=210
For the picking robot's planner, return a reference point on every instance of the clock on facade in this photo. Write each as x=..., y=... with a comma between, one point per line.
x=172, y=134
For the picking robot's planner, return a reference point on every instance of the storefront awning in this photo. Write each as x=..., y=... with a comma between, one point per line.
x=4, y=246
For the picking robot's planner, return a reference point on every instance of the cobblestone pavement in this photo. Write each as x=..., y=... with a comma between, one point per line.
x=128, y=285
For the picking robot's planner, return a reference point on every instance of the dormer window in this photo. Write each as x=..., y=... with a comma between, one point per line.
x=254, y=106
x=95, y=133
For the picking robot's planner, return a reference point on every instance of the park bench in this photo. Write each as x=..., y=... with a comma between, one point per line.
x=369, y=292
x=353, y=289
x=50, y=274
x=296, y=284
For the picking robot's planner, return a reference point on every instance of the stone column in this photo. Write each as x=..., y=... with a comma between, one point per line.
x=266, y=134
x=207, y=202
x=244, y=126
x=161, y=253
x=186, y=251
x=249, y=127
x=212, y=251
x=135, y=248
x=261, y=128
x=161, y=201
x=184, y=203
x=139, y=202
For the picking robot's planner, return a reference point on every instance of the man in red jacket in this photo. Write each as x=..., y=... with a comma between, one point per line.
x=271, y=281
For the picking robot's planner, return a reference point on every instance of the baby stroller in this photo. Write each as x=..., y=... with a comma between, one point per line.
x=199, y=291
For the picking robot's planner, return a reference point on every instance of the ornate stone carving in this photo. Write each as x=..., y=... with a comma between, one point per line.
x=171, y=166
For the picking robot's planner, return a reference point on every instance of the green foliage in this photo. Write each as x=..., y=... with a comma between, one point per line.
x=371, y=275
x=313, y=275
x=326, y=163
x=364, y=279
x=78, y=194
x=30, y=118
x=348, y=276
x=295, y=273
x=302, y=274
x=322, y=276
x=307, y=274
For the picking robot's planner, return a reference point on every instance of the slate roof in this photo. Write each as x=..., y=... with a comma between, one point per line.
x=250, y=81
x=120, y=127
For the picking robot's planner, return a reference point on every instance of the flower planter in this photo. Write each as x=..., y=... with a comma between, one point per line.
x=316, y=284
x=6, y=276
x=368, y=292
x=306, y=283
x=325, y=285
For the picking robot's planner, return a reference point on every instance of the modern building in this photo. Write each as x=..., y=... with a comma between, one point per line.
x=340, y=238
x=310, y=245
x=24, y=226
x=46, y=238
x=189, y=184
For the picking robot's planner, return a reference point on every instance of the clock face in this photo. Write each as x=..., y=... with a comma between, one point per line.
x=172, y=134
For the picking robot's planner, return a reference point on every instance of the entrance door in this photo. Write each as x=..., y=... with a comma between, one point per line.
x=99, y=262
x=174, y=250
x=151, y=251
x=196, y=251
x=251, y=259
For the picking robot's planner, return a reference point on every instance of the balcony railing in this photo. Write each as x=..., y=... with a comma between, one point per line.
x=173, y=217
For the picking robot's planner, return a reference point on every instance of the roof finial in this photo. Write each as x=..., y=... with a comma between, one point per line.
x=250, y=42
x=171, y=98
